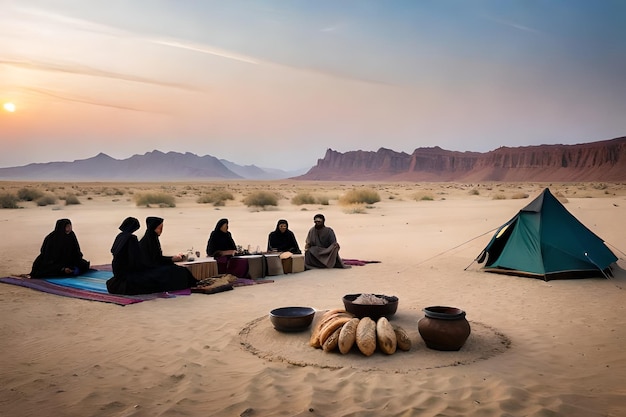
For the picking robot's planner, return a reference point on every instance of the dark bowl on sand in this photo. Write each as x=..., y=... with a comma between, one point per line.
x=292, y=319
x=373, y=311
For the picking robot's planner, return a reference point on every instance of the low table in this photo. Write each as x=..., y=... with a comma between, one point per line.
x=256, y=265
x=201, y=268
x=293, y=264
x=274, y=264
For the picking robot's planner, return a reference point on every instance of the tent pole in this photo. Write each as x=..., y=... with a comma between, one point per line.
x=469, y=265
x=600, y=269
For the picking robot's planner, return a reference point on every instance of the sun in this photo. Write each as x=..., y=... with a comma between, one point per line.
x=10, y=107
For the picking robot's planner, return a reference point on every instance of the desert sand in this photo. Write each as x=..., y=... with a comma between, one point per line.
x=537, y=348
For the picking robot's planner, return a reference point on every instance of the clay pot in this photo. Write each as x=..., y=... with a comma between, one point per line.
x=444, y=328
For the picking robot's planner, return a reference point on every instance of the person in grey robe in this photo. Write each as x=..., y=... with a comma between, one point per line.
x=321, y=247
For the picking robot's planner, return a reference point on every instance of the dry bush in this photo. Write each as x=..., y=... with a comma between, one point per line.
x=112, y=191
x=519, y=196
x=8, y=201
x=71, y=199
x=302, y=198
x=474, y=192
x=354, y=209
x=216, y=197
x=156, y=199
x=46, y=200
x=423, y=197
x=360, y=196
x=261, y=199
x=498, y=197
x=29, y=194
x=322, y=200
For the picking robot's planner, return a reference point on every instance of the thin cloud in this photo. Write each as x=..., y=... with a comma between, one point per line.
x=207, y=50
x=514, y=25
x=182, y=44
x=49, y=93
x=94, y=72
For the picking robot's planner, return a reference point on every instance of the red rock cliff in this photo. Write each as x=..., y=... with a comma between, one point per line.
x=595, y=161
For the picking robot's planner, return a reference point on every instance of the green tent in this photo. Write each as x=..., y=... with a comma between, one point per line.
x=546, y=241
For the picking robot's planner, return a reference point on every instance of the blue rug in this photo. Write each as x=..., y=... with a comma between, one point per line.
x=89, y=286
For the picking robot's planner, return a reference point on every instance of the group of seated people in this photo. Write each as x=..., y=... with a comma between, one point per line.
x=139, y=266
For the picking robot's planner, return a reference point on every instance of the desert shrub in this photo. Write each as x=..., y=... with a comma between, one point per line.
x=499, y=197
x=519, y=196
x=303, y=198
x=354, y=209
x=360, y=196
x=474, y=192
x=216, y=197
x=46, y=200
x=421, y=196
x=156, y=199
x=322, y=200
x=261, y=199
x=71, y=199
x=112, y=191
x=29, y=194
x=8, y=201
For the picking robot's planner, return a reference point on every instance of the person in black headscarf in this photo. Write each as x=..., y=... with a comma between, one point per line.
x=221, y=242
x=60, y=254
x=132, y=276
x=221, y=245
x=151, y=245
x=282, y=239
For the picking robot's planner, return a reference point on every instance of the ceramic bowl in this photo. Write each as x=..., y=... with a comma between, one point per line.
x=373, y=311
x=292, y=319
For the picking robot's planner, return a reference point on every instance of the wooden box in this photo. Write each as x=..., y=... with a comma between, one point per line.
x=201, y=268
x=293, y=264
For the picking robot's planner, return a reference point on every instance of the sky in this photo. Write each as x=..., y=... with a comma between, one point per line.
x=277, y=83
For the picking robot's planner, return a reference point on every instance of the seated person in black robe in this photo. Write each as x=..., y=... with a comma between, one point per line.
x=132, y=276
x=60, y=254
x=221, y=245
x=221, y=242
x=151, y=245
x=282, y=239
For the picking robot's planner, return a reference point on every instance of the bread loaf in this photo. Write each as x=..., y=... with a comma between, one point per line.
x=332, y=325
x=385, y=336
x=347, y=336
x=315, y=333
x=402, y=338
x=331, y=341
x=366, y=336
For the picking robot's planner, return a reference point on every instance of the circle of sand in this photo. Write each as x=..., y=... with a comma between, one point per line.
x=261, y=339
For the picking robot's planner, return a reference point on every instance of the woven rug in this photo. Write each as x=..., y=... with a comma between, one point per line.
x=89, y=286
x=358, y=262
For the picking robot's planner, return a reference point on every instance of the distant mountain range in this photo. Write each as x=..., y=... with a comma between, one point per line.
x=594, y=161
x=151, y=166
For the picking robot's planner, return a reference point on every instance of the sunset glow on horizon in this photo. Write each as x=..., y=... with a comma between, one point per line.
x=275, y=84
